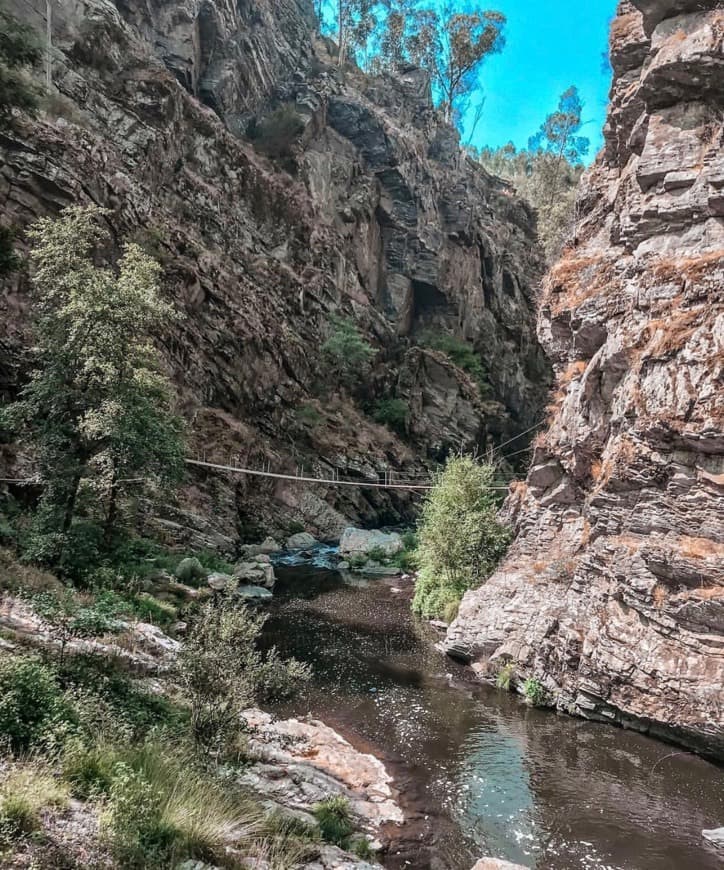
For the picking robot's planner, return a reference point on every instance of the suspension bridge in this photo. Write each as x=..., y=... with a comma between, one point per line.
x=388, y=479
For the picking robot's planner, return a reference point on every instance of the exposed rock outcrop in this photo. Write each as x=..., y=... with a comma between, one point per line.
x=613, y=593
x=375, y=213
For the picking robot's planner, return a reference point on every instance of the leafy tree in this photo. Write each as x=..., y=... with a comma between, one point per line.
x=347, y=354
x=548, y=171
x=224, y=672
x=452, y=46
x=19, y=51
x=460, y=538
x=97, y=409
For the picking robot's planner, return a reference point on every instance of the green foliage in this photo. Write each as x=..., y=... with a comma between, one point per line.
x=450, y=43
x=462, y=354
x=163, y=809
x=346, y=352
x=460, y=538
x=505, y=676
x=191, y=571
x=309, y=415
x=224, y=672
x=392, y=413
x=97, y=410
x=32, y=705
x=19, y=52
x=362, y=849
x=17, y=818
x=335, y=821
x=452, y=46
x=89, y=770
x=534, y=692
x=276, y=134
x=9, y=260
x=547, y=173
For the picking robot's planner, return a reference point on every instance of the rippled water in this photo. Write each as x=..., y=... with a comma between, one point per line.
x=479, y=773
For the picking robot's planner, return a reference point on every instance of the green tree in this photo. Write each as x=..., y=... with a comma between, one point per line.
x=97, y=409
x=19, y=51
x=347, y=353
x=452, y=47
x=460, y=538
x=547, y=173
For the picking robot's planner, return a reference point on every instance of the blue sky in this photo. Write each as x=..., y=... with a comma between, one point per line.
x=549, y=46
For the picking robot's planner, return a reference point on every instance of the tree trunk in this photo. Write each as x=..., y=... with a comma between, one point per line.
x=71, y=500
x=112, y=515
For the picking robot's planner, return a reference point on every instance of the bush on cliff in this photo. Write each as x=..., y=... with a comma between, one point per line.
x=347, y=355
x=276, y=134
x=460, y=538
x=19, y=52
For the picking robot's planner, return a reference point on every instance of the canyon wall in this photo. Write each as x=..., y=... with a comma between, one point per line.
x=613, y=592
x=374, y=213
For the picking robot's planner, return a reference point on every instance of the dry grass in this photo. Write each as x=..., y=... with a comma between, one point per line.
x=669, y=335
x=659, y=595
x=28, y=788
x=698, y=548
x=15, y=576
x=675, y=269
x=573, y=280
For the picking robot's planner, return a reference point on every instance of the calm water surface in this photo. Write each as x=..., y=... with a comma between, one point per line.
x=478, y=772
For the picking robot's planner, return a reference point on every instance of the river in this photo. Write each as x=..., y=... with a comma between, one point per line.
x=479, y=772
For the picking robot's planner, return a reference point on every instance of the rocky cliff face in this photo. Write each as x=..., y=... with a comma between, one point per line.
x=613, y=593
x=374, y=214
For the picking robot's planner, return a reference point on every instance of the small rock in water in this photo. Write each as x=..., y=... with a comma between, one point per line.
x=249, y=593
x=343, y=566
x=301, y=541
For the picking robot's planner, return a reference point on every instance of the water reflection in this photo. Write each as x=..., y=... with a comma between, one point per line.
x=479, y=772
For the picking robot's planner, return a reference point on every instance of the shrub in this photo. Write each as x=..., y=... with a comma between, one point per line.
x=335, y=821
x=308, y=415
x=276, y=134
x=223, y=672
x=505, y=676
x=362, y=849
x=534, y=692
x=460, y=538
x=392, y=413
x=32, y=707
x=462, y=354
x=191, y=571
x=346, y=352
x=71, y=617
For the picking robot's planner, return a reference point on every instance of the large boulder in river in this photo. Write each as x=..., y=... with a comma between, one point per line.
x=301, y=541
x=257, y=571
x=359, y=542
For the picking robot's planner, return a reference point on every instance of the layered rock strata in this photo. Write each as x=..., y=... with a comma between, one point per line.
x=613, y=592
x=372, y=214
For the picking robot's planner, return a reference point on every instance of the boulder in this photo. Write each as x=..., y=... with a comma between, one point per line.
x=358, y=542
x=190, y=570
x=269, y=545
x=301, y=541
x=380, y=570
x=258, y=572
x=220, y=582
x=714, y=835
x=253, y=593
